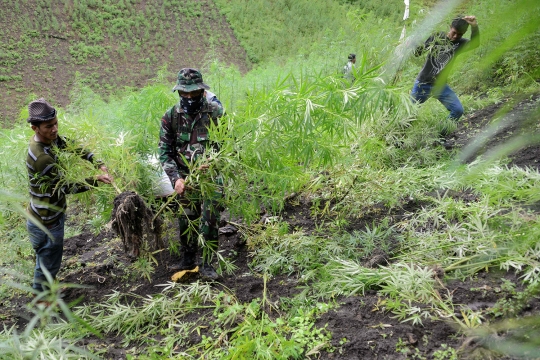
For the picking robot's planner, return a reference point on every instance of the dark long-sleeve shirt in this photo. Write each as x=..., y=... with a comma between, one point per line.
x=47, y=190
x=441, y=54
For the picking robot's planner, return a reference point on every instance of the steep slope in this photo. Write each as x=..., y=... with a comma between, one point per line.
x=49, y=47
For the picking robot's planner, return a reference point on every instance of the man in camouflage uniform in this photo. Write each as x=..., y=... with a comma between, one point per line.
x=48, y=189
x=183, y=140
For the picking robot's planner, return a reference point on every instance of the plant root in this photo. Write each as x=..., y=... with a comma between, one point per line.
x=136, y=225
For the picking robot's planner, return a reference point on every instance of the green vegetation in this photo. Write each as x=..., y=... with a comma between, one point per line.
x=294, y=126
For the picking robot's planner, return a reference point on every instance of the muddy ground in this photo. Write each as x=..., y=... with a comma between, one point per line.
x=370, y=333
x=507, y=121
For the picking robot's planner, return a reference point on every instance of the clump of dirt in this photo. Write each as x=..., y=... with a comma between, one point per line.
x=136, y=224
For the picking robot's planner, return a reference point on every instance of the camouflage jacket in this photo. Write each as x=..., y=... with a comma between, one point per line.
x=190, y=140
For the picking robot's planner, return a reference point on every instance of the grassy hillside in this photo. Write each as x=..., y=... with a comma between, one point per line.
x=49, y=47
x=331, y=30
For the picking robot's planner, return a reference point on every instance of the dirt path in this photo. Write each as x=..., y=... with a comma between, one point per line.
x=504, y=122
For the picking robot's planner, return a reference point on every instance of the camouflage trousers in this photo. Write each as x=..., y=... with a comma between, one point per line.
x=198, y=221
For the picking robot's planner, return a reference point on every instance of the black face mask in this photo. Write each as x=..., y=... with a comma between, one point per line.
x=191, y=105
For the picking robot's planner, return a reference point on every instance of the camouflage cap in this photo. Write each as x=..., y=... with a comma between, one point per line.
x=189, y=80
x=40, y=110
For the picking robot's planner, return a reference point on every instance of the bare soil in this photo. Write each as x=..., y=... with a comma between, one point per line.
x=508, y=121
x=41, y=63
x=360, y=329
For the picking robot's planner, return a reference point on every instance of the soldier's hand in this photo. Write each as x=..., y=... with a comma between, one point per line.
x=106, y=178
x=471, y=20
x=179, y=186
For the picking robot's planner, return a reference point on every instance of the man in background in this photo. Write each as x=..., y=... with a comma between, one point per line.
x=348, y=68
x=48, y=189
x=442, y=48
